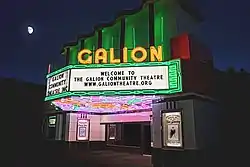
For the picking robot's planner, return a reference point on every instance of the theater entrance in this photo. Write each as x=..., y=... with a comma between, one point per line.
x=146, y=141
x=132, y=136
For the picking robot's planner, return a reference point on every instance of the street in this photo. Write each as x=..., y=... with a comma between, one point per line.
x=51, y=157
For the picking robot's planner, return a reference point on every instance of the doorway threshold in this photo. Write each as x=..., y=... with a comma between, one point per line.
x=146, y=155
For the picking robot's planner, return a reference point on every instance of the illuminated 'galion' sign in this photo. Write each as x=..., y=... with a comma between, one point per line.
x=101, y=55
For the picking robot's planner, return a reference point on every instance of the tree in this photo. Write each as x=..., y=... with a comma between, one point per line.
x=231, y=70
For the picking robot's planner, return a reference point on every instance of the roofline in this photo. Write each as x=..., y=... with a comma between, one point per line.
x=119, y=16
x=185, y=6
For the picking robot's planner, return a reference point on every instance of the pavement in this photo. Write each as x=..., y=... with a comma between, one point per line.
x=114, y=159
x=42, y=156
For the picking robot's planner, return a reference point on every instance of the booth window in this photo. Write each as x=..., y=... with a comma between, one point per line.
x=114, y=134
x=112, y=131
x=51, y=133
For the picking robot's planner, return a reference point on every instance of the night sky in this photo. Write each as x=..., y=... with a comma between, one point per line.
x=226, y=31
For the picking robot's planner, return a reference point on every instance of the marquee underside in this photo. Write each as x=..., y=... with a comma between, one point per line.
x=106, y=104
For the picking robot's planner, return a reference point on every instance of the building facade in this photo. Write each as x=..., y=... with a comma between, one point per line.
x=134, y=84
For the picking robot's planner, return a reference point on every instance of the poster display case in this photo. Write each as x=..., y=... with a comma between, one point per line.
x=172, y=130
x=52, y=121
x=82, y=129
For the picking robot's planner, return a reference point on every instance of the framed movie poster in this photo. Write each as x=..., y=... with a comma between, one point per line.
x=82, y=132
x=52, y=121
x=172, y=129
x=112, y=131
x=82, y=129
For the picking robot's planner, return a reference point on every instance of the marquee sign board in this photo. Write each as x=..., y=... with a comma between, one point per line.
x=155, y=78
x=58, y=83
x=124, y=78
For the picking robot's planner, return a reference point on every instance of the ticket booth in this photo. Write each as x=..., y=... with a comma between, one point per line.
x=184, y=129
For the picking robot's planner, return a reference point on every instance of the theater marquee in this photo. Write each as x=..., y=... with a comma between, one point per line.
x=136, y=78
x=155, y=78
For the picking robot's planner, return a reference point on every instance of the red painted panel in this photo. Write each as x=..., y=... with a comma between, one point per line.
x=180, y=47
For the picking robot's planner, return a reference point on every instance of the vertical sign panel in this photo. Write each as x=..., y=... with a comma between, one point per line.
x=82, y=129
x=172, y=129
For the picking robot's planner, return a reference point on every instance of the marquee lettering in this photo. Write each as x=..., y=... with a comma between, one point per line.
x=101, y=55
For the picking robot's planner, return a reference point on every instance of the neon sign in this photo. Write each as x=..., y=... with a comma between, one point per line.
x=105, y=104
x=101, y=55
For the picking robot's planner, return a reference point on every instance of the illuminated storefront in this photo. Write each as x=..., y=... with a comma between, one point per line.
x=114, y=100
x=132, y=83
x=111, y=78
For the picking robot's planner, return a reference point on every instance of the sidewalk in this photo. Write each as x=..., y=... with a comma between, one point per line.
x=49, y=156
x=111, y=159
